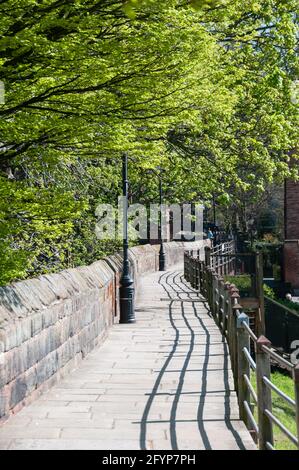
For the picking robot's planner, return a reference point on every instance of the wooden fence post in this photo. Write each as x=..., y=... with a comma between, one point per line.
x=215, y=296
x=207, y=289
x=243, y=341
x=296, y=383
x=263, y=369
x=259, y=276
x=235, y=306
x=194, y=273
x=220, y=300
x=200, y=277
x=188, y=268
x=206, y=276
x=230, y=322
x=186, y=265
x=211, y=283
x=226, y=310
x=197, y=266
x=207, y=255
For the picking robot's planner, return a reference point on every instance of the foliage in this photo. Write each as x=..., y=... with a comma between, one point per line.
x=289, y=304
x=260, y=44
x=269, y=238
x=45, y=231
x=269, y=292
x=242, y=282
x=200, y=88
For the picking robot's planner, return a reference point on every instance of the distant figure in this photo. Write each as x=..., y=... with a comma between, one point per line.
x=210, y=235
x=289, y=297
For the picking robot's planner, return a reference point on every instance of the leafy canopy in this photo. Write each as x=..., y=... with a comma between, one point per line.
x=201, y=88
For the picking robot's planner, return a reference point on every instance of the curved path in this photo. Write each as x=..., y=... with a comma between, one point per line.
x=162, y=383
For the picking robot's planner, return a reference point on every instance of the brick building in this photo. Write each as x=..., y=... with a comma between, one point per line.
x=291, y=229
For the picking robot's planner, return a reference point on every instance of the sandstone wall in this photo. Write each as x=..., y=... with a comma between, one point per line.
x=49, y=324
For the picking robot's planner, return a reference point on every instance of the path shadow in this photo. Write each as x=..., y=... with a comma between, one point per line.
x=175, y=287
x=170, y=284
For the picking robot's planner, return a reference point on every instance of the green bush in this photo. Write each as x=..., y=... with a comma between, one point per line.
x=242, y=282
x=289, y=304
x=269, y=292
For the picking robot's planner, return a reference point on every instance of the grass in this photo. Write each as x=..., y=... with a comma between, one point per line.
x=282, y=410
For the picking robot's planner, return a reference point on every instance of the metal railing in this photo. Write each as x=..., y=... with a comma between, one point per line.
x=223, y=299
x=219, y=258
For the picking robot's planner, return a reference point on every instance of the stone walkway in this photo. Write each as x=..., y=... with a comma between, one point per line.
x=162, y=383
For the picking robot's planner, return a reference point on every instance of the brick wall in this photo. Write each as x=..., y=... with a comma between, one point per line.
x=291, y=245
x=49, y=324
x=291, y=210
x=291, y=263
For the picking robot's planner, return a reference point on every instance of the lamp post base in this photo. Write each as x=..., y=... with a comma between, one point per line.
x=162, y=259
x=126, y=303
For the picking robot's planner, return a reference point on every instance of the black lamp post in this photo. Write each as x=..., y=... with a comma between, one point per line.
x=162, y=259
x=214, y=210
x=162, y=256
x=126, y=298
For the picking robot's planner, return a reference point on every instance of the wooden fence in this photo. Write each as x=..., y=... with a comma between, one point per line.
x=248, y=352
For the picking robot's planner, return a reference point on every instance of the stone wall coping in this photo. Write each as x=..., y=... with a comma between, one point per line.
x=23, y=298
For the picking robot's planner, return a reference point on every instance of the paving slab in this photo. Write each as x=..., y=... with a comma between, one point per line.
x=164, y=382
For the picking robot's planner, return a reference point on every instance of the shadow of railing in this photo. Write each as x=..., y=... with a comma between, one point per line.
x=175, y=287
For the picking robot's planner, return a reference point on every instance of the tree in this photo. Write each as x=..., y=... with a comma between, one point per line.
x=252, y=147
x=201, y=88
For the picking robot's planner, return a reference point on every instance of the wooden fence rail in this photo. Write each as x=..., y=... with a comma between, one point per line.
x=249, y=353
